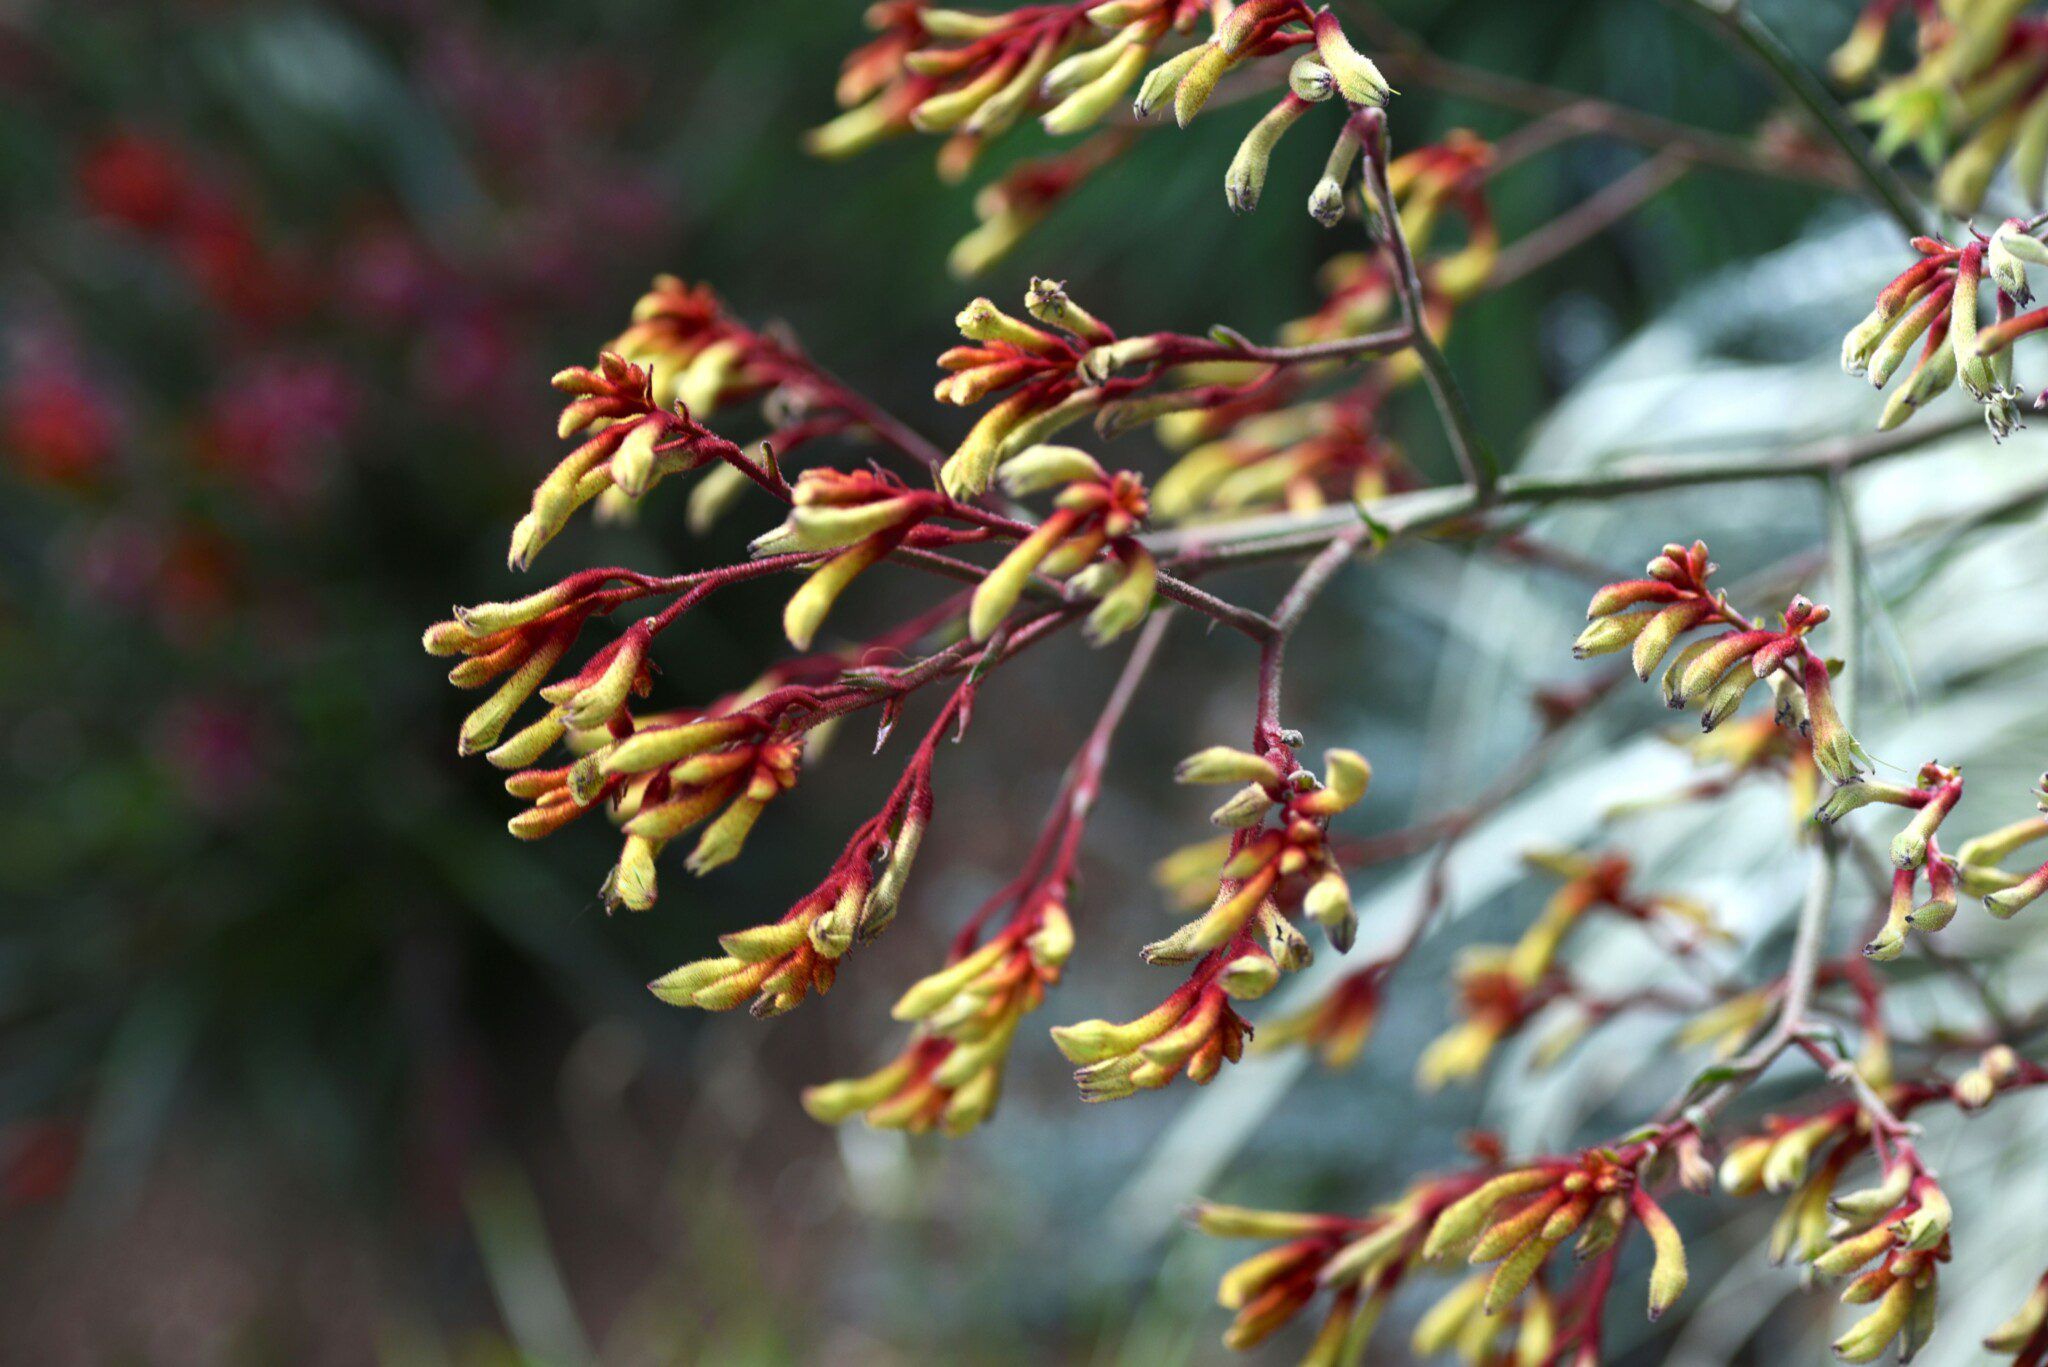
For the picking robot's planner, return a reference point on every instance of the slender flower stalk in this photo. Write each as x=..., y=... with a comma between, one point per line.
x=1024, y=535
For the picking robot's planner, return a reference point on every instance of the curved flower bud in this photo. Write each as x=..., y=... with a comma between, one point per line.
x=1091, y=83
x=1162, y=81
x=1668, y=1273
x=1326, y=200
x=2024, y=1331
x=1358, y=80
x=2011, y=250
x=1222, y=764
x=1245, y=180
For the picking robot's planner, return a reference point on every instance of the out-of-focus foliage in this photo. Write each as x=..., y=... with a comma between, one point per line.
x=302, y=1060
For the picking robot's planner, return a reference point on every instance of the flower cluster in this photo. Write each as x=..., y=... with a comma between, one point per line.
x=701, y=361
x=1094, y=512
x=1222, y=396
x=1976, y=98
x=1893, y=1236
x=1936, y=302
x=973, y=77
x=1255, y=428
x=662, y=774
x=1008, y=208
x=966, y=1016
x=1195, y=1031
x=1337, y=1025
x=1302, y=457
x=2005, y=894
x=1331, y=68
x=1433, y=183
x=1648, y=616
x=1448, y=224
x=1506, y=1221
x=635, y=443
x=1502, y=987
x=849, y=521
x=1513, y=1219
x=1494, y=1000
x=1054, y=375
x=2025, y=1336
x=1273, y=872
x=782, y=962
x=1269, y=1289
x=1246, y=939
x=1915, y=851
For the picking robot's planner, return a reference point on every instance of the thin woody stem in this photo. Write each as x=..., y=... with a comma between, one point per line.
x=1883, y=1120
x=886, y=426
x=1253, y=624
x=959, y=658
x=1792, y=1024
x=1171, y=588
x=1052, y=854
x=1475, y=457
x=1315, y=576
x=1588, y=219
x=1406, y=61
x=1094, y=753
x=1734, y=20
x=1234, y=346
x=1800, y=974
x=1285, y=536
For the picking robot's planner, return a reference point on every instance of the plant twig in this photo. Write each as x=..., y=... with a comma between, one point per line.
x=1315, y=576
x=1094, y=753
x=1741, y=27
x=1475, y=457
x=1588, y=219
x=1284, y=535
x=1406, y=60
x=1801, y=971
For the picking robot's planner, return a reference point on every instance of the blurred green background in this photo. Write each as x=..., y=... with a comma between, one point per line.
x=303, y=1059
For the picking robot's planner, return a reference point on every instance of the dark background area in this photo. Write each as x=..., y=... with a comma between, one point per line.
x=301, y=1058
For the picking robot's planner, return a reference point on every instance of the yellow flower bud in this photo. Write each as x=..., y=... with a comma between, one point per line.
x=1199, y=83
x=631, y=881
x=1461, y=1221
x=1668, y=1272
x=1086, y=104
x=832, y=1102
x=723, y=839
x=1245, y=180
x=1358, y=80
x=806, y=609
x=1223, y=764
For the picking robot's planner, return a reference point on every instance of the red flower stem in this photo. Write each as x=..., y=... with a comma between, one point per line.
x=1085, y=784
x=954, y=659
x=888, y=428
x=1062, y=829
x=1315, y=576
